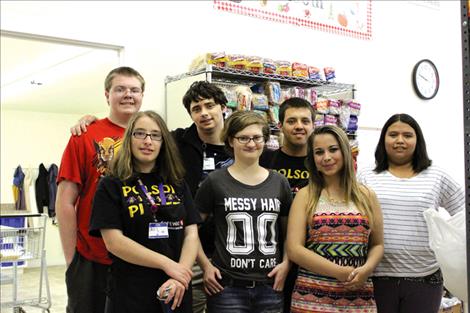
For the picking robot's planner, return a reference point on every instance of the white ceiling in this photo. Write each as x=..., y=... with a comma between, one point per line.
x=53, y=76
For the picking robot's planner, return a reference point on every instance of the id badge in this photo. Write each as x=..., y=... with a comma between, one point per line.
x=158, y=230
x=208, y=164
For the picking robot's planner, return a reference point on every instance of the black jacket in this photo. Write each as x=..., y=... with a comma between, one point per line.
x=191, y=150
x=42, y=189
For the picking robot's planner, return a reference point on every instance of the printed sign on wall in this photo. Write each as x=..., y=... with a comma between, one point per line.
x=347, y=18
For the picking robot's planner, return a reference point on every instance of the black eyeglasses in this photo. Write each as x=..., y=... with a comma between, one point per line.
x=245, y=139
x=142, y=135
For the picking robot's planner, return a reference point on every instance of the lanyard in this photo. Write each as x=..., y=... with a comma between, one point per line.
x=153, y=205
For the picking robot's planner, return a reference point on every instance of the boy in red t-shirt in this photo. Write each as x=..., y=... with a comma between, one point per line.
x=84, y=161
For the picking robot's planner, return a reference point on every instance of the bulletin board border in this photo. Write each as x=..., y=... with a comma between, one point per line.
x=238, y=8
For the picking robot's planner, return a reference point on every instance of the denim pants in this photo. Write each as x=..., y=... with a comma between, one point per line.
x=259, y=299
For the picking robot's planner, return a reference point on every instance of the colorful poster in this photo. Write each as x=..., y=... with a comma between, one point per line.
x=347, y=18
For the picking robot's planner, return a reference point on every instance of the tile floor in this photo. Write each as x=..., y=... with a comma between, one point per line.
x=28, y=289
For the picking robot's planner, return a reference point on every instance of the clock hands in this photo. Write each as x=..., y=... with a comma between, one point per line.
x=420, y=75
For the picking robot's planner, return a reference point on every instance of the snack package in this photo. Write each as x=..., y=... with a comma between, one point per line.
x=331, y=119
x=273, y=91
x=319, y=120
x=313, y=72
x=355, y=107
x=285, y=94
x=296, y=91
x=269, y=67
x=244, y=95
x=257, y=88
x=343, y=119
x=218, y=59
x=352, y=126
x=283, y=68
x=334, y=106
x=299, y=70
x=254, y=64
x=227, y=112
x=273, y=142
x=231, y=96
x=198, y=62
x=273, y=114
x=311, y=96
x=329, y=73
x=321, y=106
x=237, y=61
x=259, y=102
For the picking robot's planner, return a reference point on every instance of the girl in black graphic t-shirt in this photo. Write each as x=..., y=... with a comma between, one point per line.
x=145, y=214
x=249, y=204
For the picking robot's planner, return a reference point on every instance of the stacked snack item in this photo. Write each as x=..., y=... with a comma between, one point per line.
x=329, y=73
x=299, y=70
x=244, y=97
x=237, y=61
x=257, y=64
x=254, y=64
x=266, y=97
x=218, y=59
x=314, y=73
x=283, y=68
x=343, y=113
x=269, y=67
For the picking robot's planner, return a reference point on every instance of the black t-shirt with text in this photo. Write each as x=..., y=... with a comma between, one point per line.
x=124, y=206
x=293, y=168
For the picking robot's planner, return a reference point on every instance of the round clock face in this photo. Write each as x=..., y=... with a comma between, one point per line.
x=425, y=79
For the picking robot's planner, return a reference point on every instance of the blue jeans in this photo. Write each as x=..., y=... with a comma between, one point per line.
x=260, y=299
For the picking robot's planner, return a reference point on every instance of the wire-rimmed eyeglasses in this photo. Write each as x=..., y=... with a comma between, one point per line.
x=142, y=135
x=245, y=139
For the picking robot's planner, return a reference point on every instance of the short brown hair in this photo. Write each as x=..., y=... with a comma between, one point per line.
x=125, y=71
x=239, y=121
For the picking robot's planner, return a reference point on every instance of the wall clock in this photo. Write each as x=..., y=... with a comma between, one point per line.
x=425, y=79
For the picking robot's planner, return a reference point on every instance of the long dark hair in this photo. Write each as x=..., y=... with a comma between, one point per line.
x=420, y=160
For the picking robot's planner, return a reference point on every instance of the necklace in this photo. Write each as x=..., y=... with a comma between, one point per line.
x=332, y=200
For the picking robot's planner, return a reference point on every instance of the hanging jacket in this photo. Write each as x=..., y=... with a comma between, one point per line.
x=42, y=189
x=52, y=183
x=18, y=189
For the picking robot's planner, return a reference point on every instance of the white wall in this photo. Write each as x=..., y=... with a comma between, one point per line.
x=162, y=37
x=28, y=139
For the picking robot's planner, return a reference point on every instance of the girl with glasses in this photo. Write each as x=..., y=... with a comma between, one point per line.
x=145, y=214
x=249, y=205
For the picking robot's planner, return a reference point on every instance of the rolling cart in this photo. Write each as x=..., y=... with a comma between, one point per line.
x=22, y=246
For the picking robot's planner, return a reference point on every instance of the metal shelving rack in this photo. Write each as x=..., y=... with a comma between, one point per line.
x=176, y=86
x=235, y=76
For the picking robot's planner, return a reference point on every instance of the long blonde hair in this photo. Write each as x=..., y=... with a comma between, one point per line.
x=168, y=164
x=354, y=192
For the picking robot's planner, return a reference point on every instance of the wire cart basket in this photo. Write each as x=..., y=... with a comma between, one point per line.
x=21, y=247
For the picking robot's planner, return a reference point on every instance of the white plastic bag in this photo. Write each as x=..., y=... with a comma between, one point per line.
x=447, y=240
